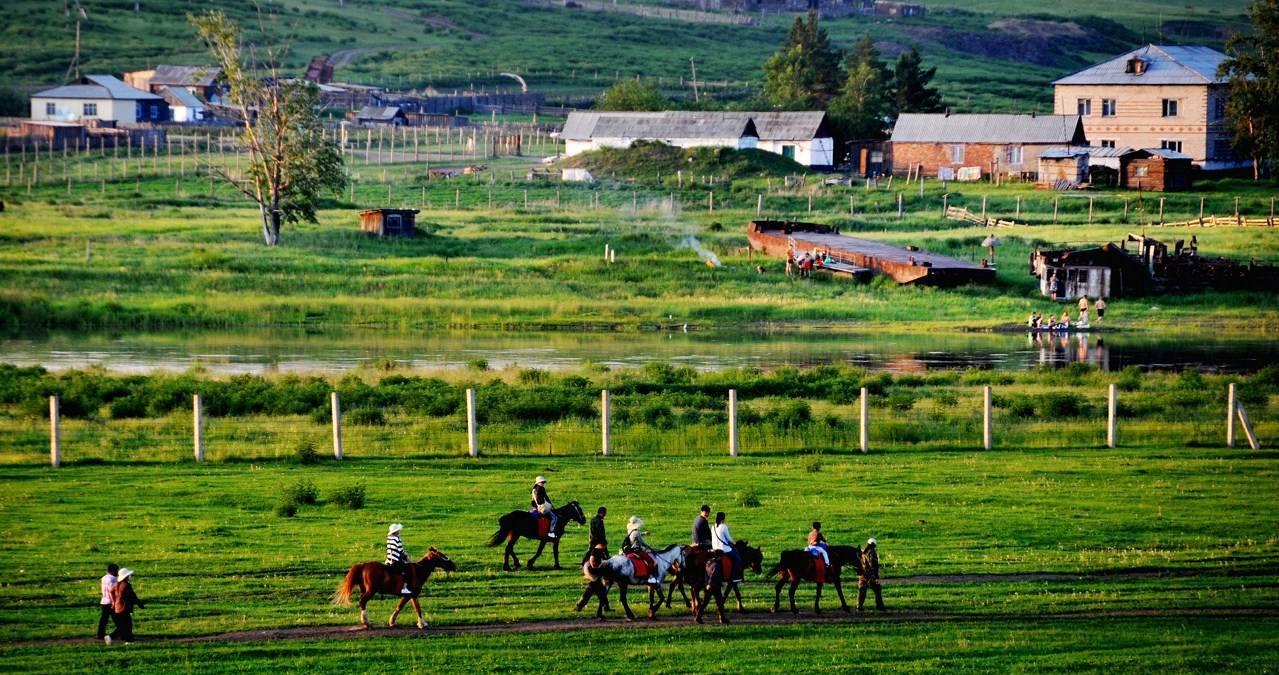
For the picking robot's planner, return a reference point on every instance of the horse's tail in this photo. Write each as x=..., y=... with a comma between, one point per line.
x=503, y=531
x=342, y=596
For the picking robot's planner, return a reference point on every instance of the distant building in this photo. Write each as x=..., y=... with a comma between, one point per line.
x=184, y=107
x=1154, y=97
x=203, y=81
x=943, y=144
x=379, y=116
x=98, y=97
x=389, y=222
x=1157, y=170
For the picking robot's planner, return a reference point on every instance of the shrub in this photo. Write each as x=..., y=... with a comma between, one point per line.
x=305, y=453
x=747, y=499
x=531, y=376
x=901, y=401
x=1061, y=405
x=301, y=492
x=477, y=364
x=813, y=465
x=348, y=497
x=286, y=509
x=790, y=415
x=1129, y=379
x=368, y=416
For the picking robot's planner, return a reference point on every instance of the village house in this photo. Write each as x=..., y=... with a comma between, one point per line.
x=378, y=116
x=1156, y=170
x=184, y=107
x=203, y=81
x=802, y=136
x=1154, y=97
x=98, y=97
x=969, y=146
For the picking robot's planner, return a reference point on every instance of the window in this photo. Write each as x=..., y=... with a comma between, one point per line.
x=1170, y=107
x=1107, y=107
x=155, y=112
x=1219, y=108
x=1107, y=143
x=1175, y=146
x=1014, y=154
x=1084, y=106
x=91, y=110
x=1221, y=149
x=51, y=109
x=956, y=154
x=1140, y=171
x=788, y=151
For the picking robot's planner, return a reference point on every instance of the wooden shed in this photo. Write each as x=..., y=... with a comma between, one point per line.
x=1066, y=167
x=389, y=222
x=1157, y=170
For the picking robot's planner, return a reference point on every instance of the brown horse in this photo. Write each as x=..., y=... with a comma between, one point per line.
x=693, y=573
x=372, y=578
x=799, y=565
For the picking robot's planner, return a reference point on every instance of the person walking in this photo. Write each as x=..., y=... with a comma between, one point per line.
x=1083, y=310
x=1101, y=309
x=542, y=504
x=598, y=540
x=107, y=584
x=869, y=576
x=723, y=542
x=397, y=559
x=702, y=528
x=123, y=601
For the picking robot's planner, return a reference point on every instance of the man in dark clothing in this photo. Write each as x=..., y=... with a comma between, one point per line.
x=104, y=608
x=542, y=504
x=869, y=576
x=702, y=528
x=714, y=587
x=598, y=539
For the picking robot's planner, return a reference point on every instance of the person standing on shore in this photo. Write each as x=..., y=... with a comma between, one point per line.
x=1083, y=310
x=1101, y=309
x=107, y=584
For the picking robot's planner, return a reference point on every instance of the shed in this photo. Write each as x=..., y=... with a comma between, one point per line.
x=183, y=105
x=55, y=135
x=380, y=116
x=389, y=222
x=944, y=144
x=1068, y=166
x=1157, y=170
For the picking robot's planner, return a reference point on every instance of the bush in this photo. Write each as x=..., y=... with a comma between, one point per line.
x=790, y=415
x=813, y=465
x=1061, y=405
x=348, y=498
x=747, y=499
x=286, y=509
x=477, y=364
x=369, y=417
x=901, y=401
x=305, y=453
x=1129, y=379
x=301, y=492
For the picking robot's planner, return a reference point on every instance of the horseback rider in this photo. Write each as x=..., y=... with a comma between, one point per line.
x=598, y=540
x=817, y=543
x=869, y=576
x=702, y=528
x=634, y=543
x=723, y=542
x=542, y=504
x=397, y=560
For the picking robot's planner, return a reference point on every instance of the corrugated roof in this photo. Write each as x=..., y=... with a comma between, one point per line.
x=942, y=128
x=371, y=112
x=1164, y=65
x=178, y=96
x=1092, y=151
x=98, y=86
x=768, y=126
x=185, y=76
x=789, y=126
x=1166, y=154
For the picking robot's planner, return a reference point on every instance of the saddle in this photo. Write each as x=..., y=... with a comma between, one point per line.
x=819, y=569
x=541, y=522
x=643, y=563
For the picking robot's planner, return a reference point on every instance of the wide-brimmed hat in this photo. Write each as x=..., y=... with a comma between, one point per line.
x=125, y=573
x=395, y=527
x=634, y=523
x=870, y=542
x=540, y=480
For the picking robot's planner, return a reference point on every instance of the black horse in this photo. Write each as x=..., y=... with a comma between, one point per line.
x=693, y=574
x=798, y=565
x=516, y=524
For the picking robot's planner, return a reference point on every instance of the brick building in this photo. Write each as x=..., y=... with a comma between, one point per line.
x=942, y=144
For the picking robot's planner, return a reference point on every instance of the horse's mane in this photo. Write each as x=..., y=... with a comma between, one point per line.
x=668, y=549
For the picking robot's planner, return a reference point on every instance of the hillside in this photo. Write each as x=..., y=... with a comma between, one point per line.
x=990, y=54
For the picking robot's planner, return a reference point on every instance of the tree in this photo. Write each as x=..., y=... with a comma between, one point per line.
x=632, y=95
x=862, y=109
x=805, y=72
x=910, y=84
x=290, y=161
x=1252, y=73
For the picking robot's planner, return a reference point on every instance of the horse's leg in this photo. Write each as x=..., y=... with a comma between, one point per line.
x=699, y=608
x=417, y=607
x=719, y=605
x=777, y=592
x=364, y=612
x=839, y=590
x=652, y=609
x=793, y=585
x=817, y=600
x=510, y=554
x=685, y=595
x=537, y=554
x=555, y=550
x=670, y=589
x=394, y=615
x=737, y=591
x=621, y=591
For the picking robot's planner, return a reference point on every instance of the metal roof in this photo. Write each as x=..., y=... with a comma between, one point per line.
x=370, y=112
x=178, y=96
x=97, y=86
x=185, y=76
x=768, y=126
x=1164, y=65
x=1166, y=154
x=1090, y=150
x=944, y=128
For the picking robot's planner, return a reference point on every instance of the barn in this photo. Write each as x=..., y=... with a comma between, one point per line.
x=389, y=222
x=1157, y=170
x=943, y=144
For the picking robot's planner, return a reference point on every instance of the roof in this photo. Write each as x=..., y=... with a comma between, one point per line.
x=945, y=128
x=1092, y=151
x=185, y=76
x=97, y=86
x=581, y=126
x=388, y=210
x=789, y=126
x=1164, y=65
x=372, y=112
x=178, y=96
x=1063, y=153
x=1161, y=152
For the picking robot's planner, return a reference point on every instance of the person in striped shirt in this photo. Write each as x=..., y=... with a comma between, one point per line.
x=397, y=560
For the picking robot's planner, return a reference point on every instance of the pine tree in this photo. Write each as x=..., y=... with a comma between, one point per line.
x=805, y=72
x=862, y=110
x=910, y=83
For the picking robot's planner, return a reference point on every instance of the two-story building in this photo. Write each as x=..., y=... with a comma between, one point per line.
x=1154, y=97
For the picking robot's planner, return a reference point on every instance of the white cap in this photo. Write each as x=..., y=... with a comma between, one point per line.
x=539, y=480
x=395, y=527
x=870, y=542
x=634, y=523
x=125, y=573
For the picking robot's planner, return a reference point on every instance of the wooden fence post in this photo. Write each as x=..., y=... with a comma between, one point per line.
x=1112, y=427
x=335, y=405
x=604, y=423
x=1247, y=427
x=1230, y=415
x=901, y=206
x=732, y=422
x=863, y=421
x=1055, y=200
x=197, y=417
x=985, y=418
x=472, y=441
x=55, y=433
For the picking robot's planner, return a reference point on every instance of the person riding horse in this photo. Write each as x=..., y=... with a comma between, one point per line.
x=397, y=559
x=723, y=542
x=701, y=528
x=634, y=543
x=542, y=504
x=817, y=543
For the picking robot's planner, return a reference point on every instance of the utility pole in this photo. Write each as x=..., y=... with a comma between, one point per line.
x=73, y=71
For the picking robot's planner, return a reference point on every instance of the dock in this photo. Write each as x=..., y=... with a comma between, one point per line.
x=904, y=265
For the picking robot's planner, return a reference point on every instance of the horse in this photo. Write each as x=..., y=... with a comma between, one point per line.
x=693, y=574
x=799, y=565
x=373, y=578
x=518, y=524
x=620, y=570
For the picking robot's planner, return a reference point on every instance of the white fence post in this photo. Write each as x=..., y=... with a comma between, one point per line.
x=1230, y=415
x=864, y=420
x=335, y=405
x=1112, y=425
x=55, y=433
x=732, y=422
x=985, y=418
x=604, y=423
x=472, y=441
x=197, y=415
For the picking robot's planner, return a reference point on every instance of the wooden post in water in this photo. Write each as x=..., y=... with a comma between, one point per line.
x=732, y=422
x=863, y=416
x=197, y=417
x=55, y=433
x=472, y=440
x=335, y=405
x=985, y=418
x=604, y=423
x=1112, y=425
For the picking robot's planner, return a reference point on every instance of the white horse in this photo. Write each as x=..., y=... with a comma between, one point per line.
x=620, y=570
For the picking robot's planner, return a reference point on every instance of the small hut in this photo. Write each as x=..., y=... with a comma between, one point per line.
x=1157, y=170
x=389, y=222
x=1067, y=166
